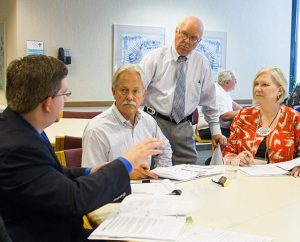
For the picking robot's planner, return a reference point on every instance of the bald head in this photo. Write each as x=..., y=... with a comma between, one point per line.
x=188, y=34
x=193, y=23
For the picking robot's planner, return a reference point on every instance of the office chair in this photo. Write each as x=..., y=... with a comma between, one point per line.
x=67, y=142
x=72, y=158
x=4, y=237
x=79, y=114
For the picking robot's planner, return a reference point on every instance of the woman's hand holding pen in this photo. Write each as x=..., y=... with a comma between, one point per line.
x=246, y=158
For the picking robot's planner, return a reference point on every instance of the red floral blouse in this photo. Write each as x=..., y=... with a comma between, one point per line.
x=281, y=143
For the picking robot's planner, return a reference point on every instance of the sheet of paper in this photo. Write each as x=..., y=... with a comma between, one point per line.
x=162, y=187
x=263, y=170
x=156, y=204
x=220, y=235
x=288, y=165
x=217, y=158
x=133, y=226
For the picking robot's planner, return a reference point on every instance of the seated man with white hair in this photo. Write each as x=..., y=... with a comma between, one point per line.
x=109, y=134
x=226, y=106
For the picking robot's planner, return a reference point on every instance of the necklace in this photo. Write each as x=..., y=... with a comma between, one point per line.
x=262, y=131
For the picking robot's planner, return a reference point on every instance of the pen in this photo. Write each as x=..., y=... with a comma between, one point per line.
x=140, y=181
x=144, y=181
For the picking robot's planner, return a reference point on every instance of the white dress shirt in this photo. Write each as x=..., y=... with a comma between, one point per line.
x=109, y=135
x=224, y=104
x=160, y=68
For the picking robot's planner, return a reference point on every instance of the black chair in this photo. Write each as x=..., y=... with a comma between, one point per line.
x=4, y=237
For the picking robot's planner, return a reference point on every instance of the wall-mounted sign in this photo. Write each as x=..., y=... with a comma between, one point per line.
x=35, y=47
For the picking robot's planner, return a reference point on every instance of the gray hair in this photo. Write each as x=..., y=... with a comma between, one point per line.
x=133, y=68
x=224, y=75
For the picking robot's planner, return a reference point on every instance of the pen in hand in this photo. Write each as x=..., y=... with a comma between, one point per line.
x=246, y=158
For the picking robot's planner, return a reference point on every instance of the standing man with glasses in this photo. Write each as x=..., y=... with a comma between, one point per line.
x=110, y=133
x=178, y=79
x=40, y=199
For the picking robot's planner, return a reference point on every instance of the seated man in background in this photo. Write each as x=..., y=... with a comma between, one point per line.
x=226, y=106
x=41, y=200
x=111, y=133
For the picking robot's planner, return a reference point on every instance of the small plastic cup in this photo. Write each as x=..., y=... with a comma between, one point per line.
x=232, y=168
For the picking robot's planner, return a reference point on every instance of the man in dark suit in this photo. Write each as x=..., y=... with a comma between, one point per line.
x=40, y=200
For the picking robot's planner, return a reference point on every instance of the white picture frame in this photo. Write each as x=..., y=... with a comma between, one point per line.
x=213, y=45
x=2, y=56
x=132, y=42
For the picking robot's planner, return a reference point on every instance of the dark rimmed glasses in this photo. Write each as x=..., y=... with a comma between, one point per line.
x=68, y=93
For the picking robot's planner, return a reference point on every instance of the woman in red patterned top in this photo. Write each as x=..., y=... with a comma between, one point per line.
x=268, y=130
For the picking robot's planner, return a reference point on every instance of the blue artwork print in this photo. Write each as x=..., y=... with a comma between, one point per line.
x=211, y=48
x=135, y=46
x=2, y=70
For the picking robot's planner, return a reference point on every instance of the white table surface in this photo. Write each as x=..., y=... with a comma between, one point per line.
x=266, y=206
x=66, y=126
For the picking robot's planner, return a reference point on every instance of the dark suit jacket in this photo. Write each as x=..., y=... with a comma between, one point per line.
x=40, y=200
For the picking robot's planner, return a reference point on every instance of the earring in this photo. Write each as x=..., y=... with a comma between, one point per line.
x=278, y=97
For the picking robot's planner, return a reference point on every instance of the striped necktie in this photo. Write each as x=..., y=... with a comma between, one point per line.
x=179, y=95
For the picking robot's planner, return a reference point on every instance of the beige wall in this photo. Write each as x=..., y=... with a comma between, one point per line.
x=8, y=17
x=257, y=34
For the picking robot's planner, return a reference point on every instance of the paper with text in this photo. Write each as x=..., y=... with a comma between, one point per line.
x=133, y=227
x=186, y=172
x=263, y=170
x=162, y=187
x=157, y=204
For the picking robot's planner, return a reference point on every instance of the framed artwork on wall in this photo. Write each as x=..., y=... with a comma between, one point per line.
x=132, y=42
x=2, y=56
x=213, y=45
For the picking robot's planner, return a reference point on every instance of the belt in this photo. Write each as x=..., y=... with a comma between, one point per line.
x=153, y=113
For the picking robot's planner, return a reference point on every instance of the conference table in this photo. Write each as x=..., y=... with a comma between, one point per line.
x=66, y=126
x=265, y=206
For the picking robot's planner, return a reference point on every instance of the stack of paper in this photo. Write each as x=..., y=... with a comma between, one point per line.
x=145, y=218
x=187, y=172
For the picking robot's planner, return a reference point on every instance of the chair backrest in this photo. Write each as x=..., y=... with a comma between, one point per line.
x=199, y=139
x=4, y=237
x=79, y=114
x=70, y=158
x=67, y=142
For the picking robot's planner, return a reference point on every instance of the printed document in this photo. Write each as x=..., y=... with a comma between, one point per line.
x=162, y=187
x=187, y=172
x=145, y=218
x=272, y=169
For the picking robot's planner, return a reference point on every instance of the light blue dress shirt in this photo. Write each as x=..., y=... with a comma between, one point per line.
x=109, y=135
